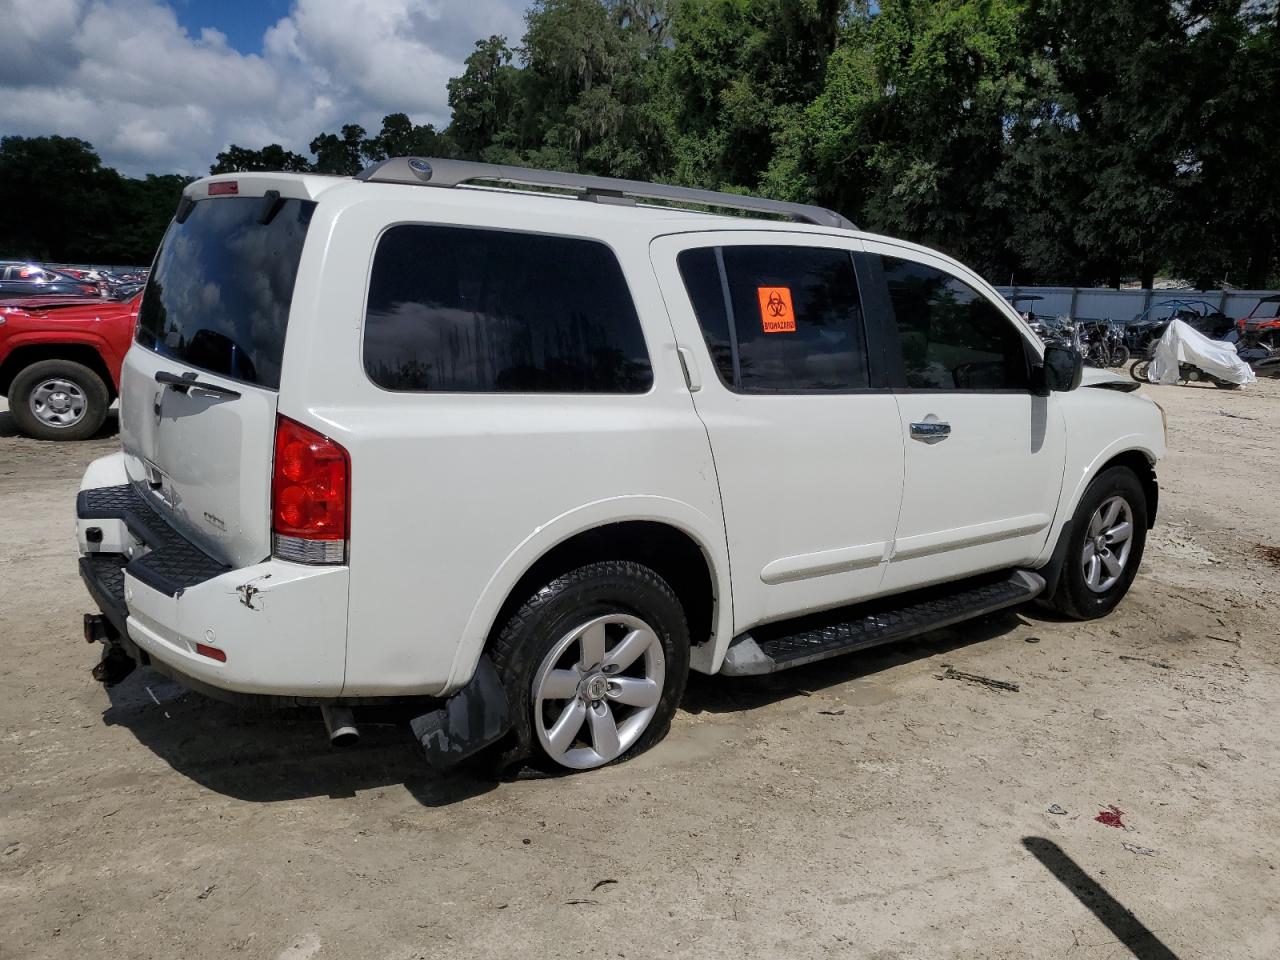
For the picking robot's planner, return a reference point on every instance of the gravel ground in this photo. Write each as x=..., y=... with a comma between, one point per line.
x=859, y=808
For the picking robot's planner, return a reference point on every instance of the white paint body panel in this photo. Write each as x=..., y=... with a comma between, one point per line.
x=982, y=498
x=811, y=483
x=455, y=496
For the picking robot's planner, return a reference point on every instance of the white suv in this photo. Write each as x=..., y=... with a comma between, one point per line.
x=528, y=460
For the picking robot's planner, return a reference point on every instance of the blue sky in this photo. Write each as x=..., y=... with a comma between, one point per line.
x=160, y=86
x=243, y=21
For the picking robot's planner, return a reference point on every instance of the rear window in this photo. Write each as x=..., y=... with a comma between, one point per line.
x=488, y=311
x=219, y=296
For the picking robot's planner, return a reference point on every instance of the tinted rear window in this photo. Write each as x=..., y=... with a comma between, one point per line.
x=490, y=311
x=219, y=296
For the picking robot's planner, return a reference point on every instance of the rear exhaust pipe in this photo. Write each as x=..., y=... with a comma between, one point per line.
x=341, y=725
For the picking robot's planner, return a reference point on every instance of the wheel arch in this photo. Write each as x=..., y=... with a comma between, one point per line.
x=680, y=543
x=1138, y=459
x=82, y=352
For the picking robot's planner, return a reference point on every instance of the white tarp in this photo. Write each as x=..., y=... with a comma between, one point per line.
x=1182, y=343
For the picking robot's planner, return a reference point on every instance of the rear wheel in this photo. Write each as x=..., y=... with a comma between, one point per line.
x=58, y=400
x=1108, y=535
x=594, y=665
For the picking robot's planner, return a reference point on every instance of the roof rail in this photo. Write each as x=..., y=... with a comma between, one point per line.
x=432, y=172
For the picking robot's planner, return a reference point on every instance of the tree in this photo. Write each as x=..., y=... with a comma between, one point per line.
x=400, y=137
x=484, y=100
x=58, y=203
x=236, y=159
x=345, y=155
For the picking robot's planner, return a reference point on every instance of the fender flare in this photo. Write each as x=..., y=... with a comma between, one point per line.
x=79, y=338
x=707, y=532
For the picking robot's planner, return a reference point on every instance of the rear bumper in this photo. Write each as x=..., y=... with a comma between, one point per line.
x=281, y=626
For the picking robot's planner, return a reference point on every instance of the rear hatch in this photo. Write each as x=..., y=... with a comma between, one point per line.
x=213, y=318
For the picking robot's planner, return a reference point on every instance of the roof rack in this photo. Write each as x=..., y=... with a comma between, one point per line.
x=432, y=172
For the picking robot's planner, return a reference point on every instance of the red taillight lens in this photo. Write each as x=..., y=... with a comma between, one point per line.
x=310, y=489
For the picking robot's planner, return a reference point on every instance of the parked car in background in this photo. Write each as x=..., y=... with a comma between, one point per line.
x=60, y=362
x=1262, y=325
x=20, y=280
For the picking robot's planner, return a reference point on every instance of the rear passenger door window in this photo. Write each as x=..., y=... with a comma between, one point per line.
x=952, y=337
x=456, y=309
x=779, y=319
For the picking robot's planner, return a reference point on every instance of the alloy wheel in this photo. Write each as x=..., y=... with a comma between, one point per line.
x=597, y=690
x=1107, y=544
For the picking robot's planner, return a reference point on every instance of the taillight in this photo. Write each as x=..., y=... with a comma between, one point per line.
x=310, y=490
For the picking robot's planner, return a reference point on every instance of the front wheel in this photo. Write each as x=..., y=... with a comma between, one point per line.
x=1108, y=535
x=58, y=400
x=1119, y=356
x=1141, y=370
x=594, y=665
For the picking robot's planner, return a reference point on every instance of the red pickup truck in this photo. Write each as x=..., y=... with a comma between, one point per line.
x=60, y=362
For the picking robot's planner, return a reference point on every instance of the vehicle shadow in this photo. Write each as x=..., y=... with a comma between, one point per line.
x=712, y=694
x=264, y=755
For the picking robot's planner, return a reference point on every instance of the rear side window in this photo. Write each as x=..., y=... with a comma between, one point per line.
x=219, y=295
x=490, y=311
x=779, y=319
x=953, y=338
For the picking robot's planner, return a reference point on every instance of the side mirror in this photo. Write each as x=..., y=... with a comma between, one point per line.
x=1061, y=369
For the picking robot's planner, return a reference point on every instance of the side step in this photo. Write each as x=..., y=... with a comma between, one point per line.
x=780, y=646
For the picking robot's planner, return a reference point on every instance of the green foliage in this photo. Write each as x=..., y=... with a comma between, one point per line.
x=57, y=202
x=1039, y=140
x=237, y=159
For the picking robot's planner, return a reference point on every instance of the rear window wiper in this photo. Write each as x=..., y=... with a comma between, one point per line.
x=188, y=380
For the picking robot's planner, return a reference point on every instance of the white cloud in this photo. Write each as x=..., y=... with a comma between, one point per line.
x=150, y=97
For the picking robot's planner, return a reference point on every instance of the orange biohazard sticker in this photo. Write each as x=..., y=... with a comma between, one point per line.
x=776, y=313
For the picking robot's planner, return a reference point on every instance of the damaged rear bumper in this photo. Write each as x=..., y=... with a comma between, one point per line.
x=274, y=629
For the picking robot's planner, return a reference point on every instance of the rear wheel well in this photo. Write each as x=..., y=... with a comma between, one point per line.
x=1145, y=471
x=80, y=353
x=669, y=552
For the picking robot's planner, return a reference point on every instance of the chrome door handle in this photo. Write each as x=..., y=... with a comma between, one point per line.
x=930, y=431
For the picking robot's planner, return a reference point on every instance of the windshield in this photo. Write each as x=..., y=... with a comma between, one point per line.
x=219, y=295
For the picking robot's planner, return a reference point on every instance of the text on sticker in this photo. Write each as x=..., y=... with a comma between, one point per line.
x=776, y=313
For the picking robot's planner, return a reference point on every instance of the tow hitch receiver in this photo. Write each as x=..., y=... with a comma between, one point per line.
x=97, y=629
x=472, y=719
x=116, y=664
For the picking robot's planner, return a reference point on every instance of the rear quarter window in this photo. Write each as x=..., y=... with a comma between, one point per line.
x=454, y=309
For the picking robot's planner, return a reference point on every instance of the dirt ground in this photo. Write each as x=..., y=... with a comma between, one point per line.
x=861, y=808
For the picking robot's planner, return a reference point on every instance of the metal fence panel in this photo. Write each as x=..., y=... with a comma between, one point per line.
x=1104, y=303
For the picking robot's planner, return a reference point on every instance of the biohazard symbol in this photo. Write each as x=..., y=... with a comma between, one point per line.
x=776, y=313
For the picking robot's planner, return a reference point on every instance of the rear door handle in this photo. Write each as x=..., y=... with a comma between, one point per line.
x=932, y=431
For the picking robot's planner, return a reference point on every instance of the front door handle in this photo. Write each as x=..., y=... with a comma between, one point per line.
x=931, y=431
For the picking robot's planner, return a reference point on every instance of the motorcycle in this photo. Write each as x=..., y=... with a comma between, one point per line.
x=1103, y=343
x=1185, y=355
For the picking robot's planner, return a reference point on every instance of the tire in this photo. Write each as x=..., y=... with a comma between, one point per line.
x=53, y=390
x=1073, y=596
x=537, y=657
x=1140, y=370
x=1119, y=356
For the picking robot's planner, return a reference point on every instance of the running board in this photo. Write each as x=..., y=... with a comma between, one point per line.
x=781, y=646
